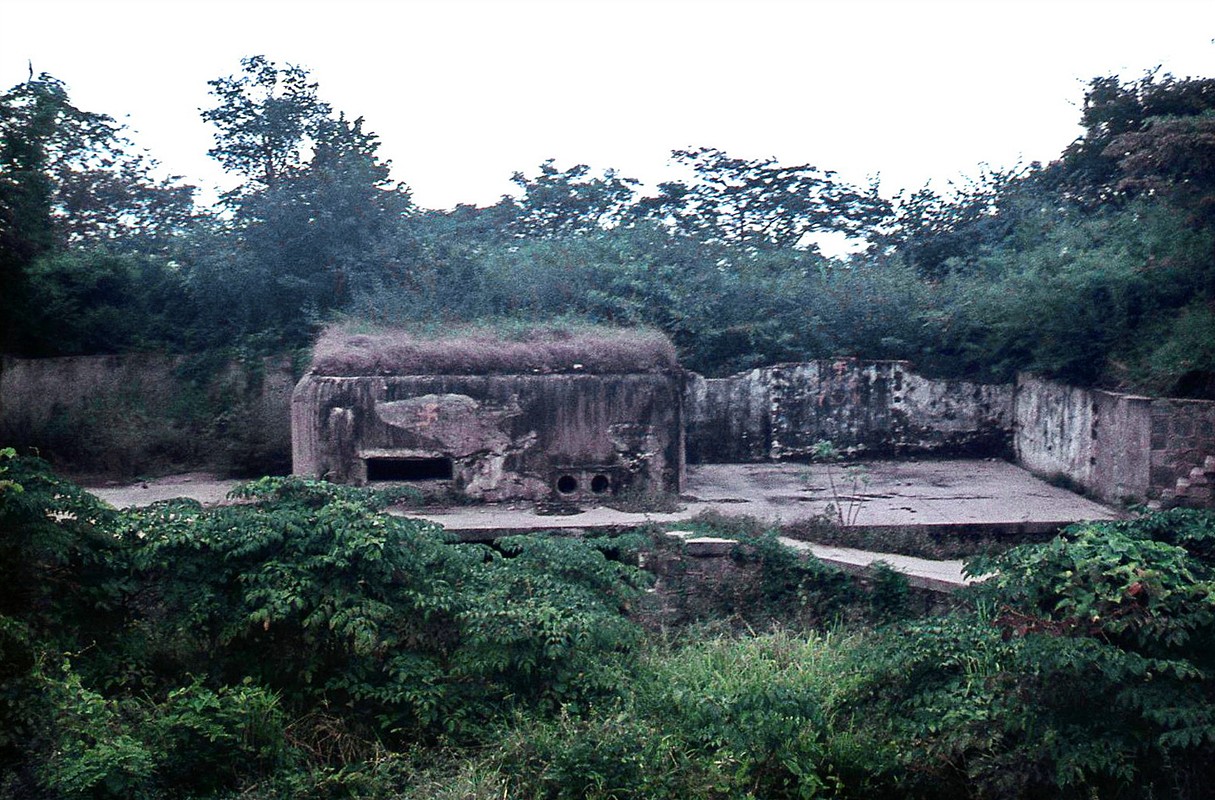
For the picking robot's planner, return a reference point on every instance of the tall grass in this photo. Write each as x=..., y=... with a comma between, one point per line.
x=349, y=350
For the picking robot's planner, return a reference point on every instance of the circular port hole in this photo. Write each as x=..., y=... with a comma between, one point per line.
x=600, y=484
x=567, y=484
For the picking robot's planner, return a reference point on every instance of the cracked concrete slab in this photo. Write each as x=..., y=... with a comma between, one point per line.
x=995, y=496
x=922, y=573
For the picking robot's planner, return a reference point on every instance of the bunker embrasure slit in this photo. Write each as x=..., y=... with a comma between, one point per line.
x=409, y=469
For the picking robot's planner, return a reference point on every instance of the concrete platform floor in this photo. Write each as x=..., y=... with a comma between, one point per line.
x=964, y=495
x=992, y=495
x=204, y=487
x=946, y=496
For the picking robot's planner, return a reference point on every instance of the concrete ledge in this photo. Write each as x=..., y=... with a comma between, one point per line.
x=703, y=546
x=922, y=573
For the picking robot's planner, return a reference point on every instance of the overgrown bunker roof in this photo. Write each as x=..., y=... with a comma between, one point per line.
x=343, y=352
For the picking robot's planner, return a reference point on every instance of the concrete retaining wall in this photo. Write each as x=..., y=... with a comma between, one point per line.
x=1119, y=447
x=143, y=413
x=124, y=415
x=875, y=408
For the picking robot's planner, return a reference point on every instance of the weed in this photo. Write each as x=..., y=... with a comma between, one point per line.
x=645, y=501
x=844, y=508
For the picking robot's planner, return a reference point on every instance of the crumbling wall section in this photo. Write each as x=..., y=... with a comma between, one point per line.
x=1181, y=436
x=505, y=436
x=1054, y=429
x=874, y=408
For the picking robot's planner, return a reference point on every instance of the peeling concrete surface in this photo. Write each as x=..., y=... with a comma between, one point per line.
x=875, y=408
x=528, y=437
x=1117, y=446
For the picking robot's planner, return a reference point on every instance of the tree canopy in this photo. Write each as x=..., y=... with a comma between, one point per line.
x=1104, y=253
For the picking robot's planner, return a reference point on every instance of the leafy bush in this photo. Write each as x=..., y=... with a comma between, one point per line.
x=310, y=589
x=303, y=643
x=195, y=741
x=1067, y=293
x=1084, y=672
x=1178, y=358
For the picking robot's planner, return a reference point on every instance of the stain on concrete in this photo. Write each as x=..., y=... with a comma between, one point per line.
x=865, y=408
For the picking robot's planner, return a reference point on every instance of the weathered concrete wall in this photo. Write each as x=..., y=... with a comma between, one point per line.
x=870, y=407
x=126, y=414
x=1054, y=429
x=506, y=436
x=1121, y=457
x=1119, y=447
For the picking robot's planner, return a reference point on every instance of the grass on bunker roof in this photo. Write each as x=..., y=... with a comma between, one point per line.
x=350, y=349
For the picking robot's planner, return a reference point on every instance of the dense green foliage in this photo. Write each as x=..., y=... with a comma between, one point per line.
x=1094, y=269
x=281, y=630
x=302, y=643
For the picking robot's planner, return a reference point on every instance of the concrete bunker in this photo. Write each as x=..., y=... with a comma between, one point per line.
x=572, y=415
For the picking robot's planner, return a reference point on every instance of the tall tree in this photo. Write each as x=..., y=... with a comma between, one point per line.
x=557, y=203
x=1171, y=157
x=70, y=179
x=26, y=123
x=1115, y=109
x=938, y=231
x=267, y=118
x=317, y=213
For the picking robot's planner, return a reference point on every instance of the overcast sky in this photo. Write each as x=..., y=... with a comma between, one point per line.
x=465, y=92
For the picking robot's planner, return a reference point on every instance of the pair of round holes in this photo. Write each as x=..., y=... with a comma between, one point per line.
x=568, y=484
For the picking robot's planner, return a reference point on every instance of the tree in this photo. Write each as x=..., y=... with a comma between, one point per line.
x=1114, y=109
x=70, y=179
x=317, y=214
x=1172, y=157
x=79, y=170
x=556, y=203
x=268, y=117
x=930, y=229
x=761, y=204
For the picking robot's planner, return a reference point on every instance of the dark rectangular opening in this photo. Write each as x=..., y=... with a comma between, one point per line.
x=409, y=469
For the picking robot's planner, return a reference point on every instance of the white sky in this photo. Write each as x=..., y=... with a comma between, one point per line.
x=464, y=92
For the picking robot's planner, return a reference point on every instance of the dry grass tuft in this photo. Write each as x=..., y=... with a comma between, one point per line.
x=346, y=351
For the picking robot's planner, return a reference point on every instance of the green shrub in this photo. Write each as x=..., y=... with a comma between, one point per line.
x=1085, y=672
x=311, y=590
x=726, y=717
